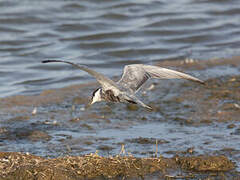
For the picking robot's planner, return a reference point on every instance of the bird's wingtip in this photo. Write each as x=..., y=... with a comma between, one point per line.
x=149, y=108
x=48, y=61
x=202, y=82
x=45, y=61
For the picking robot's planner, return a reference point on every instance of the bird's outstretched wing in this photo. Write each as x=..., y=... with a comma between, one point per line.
x=105, y=82
x=135, y=75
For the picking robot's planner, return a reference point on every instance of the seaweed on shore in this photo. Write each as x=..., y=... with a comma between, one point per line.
x=91, y=166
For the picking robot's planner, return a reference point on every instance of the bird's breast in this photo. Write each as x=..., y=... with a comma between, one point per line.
x=109, y=96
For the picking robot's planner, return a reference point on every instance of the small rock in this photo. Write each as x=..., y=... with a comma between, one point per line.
x=230, y=126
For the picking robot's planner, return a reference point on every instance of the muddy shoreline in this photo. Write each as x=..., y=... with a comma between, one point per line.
x=216, y=105
x=94, y=166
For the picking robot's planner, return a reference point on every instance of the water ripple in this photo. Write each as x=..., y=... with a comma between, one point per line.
x=108, y=34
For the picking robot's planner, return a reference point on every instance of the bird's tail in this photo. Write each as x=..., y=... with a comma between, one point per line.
x=135, y=99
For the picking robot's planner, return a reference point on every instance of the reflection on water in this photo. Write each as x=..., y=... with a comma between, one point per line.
x=106, y=35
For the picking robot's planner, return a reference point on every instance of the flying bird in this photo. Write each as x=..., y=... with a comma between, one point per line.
x=133, y=77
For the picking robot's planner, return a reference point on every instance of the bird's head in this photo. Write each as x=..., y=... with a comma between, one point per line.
x=96, y=96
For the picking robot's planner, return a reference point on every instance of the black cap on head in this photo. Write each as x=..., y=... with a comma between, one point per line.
x=95, y=92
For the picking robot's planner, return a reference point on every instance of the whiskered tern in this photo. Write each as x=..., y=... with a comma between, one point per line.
x=133, y=77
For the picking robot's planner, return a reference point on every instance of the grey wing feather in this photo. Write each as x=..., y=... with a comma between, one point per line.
x=103, y=80
x=134, y=76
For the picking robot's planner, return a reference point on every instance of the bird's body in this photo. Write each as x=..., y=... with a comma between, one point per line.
x=134, y=76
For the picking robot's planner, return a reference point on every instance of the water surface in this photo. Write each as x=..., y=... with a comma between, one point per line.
x=107, y=35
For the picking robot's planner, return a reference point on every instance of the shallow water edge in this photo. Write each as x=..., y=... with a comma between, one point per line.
x=192, y=128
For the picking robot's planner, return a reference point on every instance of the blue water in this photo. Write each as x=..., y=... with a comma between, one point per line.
x=107, y=35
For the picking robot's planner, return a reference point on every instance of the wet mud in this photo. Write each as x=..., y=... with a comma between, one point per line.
x=93, y=166
x=192, y=133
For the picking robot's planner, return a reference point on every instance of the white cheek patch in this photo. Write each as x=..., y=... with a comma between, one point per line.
x=96, y=97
